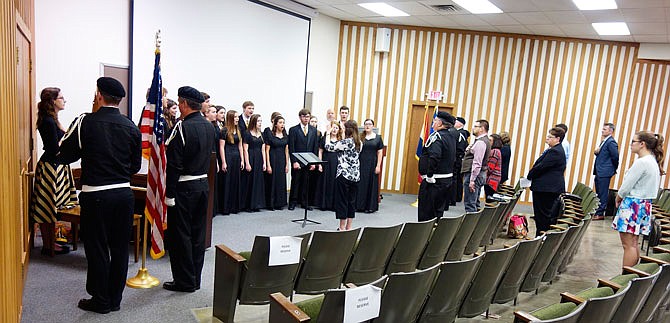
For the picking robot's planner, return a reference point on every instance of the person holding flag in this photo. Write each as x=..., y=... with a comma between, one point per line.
x=109, y=145
x=436, y=168
x=189, y=148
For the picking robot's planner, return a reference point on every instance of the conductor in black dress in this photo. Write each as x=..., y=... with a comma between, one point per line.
x=189, y=148
x=301, y=138
x=110, y=148
x=436, y=167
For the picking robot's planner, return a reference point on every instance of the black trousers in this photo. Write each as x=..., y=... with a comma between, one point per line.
x=432, y=199
x=544, y=204
x=458, y=181
x=299, y=190
x=106, y=222
x=186, y=232
x=345, y=198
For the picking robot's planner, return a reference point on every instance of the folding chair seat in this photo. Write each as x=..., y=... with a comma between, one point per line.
x=440, y=240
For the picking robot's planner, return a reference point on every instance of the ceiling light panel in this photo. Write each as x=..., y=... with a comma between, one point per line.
x=383, y=9
x=595, y=4
x=611, y=28
x=478, y=6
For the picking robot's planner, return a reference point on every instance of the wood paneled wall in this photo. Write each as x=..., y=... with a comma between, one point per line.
x=11, y=280
x=521, y=84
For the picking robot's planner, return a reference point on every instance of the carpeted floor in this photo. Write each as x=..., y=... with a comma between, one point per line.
x=54, y=285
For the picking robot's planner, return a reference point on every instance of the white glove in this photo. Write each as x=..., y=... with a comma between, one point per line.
x=430, y=180
x=169, y=201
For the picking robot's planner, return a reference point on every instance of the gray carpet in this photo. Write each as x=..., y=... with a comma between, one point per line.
x=54, y=285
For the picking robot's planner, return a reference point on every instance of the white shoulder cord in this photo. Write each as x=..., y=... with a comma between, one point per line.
x=177, y=128
x=76, y=125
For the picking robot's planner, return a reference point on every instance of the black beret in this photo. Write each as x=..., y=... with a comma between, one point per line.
x=190, y=93
x=446, y=117
x=111, y=86
x=461, y=120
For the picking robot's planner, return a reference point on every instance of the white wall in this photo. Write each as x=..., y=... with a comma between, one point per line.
x=322, y=64
x=72, y=38
x=654, y=51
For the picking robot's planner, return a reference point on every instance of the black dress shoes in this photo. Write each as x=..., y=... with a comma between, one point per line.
x=92, y=306
x=171, y=286
x=291, y=207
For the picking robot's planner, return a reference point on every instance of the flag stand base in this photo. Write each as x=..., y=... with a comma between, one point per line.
x=143, y=279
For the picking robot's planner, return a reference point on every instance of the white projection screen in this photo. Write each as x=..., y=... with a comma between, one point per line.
x=235, y=50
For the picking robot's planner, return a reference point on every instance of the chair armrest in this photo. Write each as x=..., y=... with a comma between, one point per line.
x=608, y=283
x=571, y=196
x=665, y=241
x=654, y=260
x=522, y=316
x=661, y=249
x=565, y=222
x=569, y=297
x=553, y=226
x=350, y=285
x=228, y=266
x=576, y=218
x=283, y=311
x=631, y=270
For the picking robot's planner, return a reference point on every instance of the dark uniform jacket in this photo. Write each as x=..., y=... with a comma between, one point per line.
x=188, y=150
x=462, y=142
x=547, y=174
x=438, y=154
x=298, y=142
x=109, y=145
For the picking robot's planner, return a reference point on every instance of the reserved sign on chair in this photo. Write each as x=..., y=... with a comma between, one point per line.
x=284, y=250
x=362, y=303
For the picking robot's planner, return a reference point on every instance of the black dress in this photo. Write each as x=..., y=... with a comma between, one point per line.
x=254, y=196
x=368, y=187
x=230, y=188
x=325, y=191
x=275, y=187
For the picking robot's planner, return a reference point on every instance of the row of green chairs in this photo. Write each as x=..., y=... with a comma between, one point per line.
x=634, y=296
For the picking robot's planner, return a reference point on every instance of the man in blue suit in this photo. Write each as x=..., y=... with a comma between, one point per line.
x=607, y=162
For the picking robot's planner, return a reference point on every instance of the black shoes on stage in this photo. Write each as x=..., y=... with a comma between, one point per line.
x=91, y=306
x=171, y=286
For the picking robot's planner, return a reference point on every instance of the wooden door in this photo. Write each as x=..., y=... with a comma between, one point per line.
x=414, y=126
x=24, y=112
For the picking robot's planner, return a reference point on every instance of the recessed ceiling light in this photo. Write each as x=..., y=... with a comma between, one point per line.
x=478, y=6
x=611, y=28
x=383, y=9
x=595, y=4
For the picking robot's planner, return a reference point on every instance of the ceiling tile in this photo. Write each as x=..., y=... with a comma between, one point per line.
x=573, y=30
x=644, y=15
x=642, y=3
x=566, y=17
x=336, y=13
x=651, y=38
x=549, y=30
x=498, y=19
x=508, y=6
x=647, y=28
x=356, y=10
x=549, y=5
x=603, y=15
x=468, y=20
x=514, y=29
x=411, y=20
x=618, y=38
x=414, y=8
x=441, y=22
x=530, y=18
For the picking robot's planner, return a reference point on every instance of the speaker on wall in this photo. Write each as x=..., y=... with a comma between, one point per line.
x=383, y=41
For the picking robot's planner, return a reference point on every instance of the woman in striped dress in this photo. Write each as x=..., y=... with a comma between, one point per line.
x=54, y=184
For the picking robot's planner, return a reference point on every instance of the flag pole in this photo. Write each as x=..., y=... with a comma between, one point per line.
x=143, y=279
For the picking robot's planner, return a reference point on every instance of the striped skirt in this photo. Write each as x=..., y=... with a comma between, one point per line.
x=54, y=188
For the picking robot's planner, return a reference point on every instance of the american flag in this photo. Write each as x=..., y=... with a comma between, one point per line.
x=426, y=130
x=152, y=127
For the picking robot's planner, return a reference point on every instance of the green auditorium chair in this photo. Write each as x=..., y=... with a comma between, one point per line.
x=602, y=302
x=447, y=295
x=509, y=286
x=552, y=239
x=479, y=297
x=574, y=247
x=563, y=249
x=440, y=240
x=248, y=278
x=463, y=236
x=658, y=295
x=558, y=313
x=639, y=288
x=371, y=254
x=410, y=246
x=483, y=224
x=327, y=258
x=405, y=294
x=498, y=219
x=327, y=308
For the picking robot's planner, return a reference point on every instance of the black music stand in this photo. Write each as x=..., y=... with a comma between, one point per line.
x=306, y=160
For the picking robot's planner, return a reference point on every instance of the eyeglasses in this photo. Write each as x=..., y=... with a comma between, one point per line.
x=61, y=98
x=634, y=141
x=550, y=137
x=476, y=126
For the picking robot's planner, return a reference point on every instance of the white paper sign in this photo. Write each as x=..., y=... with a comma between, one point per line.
x=284, y=251
x=362, y=303
x=524, y=182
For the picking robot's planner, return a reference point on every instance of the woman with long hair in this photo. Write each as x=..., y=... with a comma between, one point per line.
x=276, y=152
x=325, y=199
x=254, y=165
x=371, y=160
x=231, y=164
x=348, y=174
x=54, y=183
x=495, y=166
x=640, y=186
x=170, y=115
x=220, y=122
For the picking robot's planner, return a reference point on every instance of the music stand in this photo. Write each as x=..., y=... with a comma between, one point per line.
x=305, y=160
